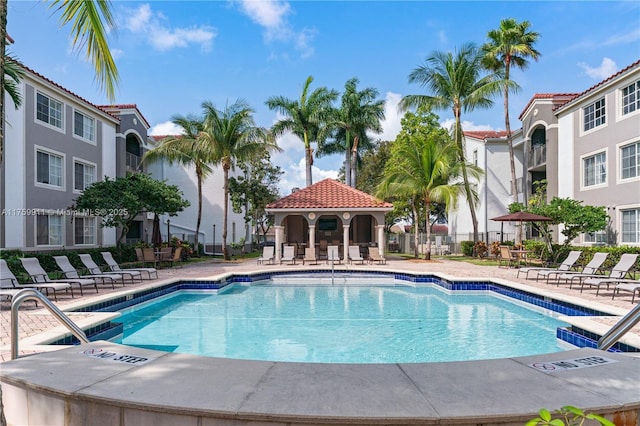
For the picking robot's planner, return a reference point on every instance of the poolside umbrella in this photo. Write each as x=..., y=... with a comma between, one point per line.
x=156, y=236
x=520, y=217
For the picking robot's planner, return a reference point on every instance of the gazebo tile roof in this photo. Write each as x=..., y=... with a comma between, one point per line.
x=328, y=194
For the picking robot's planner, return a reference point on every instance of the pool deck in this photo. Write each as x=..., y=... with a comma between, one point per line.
x=189, y=390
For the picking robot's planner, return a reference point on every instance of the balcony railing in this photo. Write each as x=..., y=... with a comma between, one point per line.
x=132, y=161
x=538, y=155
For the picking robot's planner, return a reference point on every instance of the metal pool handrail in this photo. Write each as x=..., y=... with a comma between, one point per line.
x=31, y=294
x=620, y=329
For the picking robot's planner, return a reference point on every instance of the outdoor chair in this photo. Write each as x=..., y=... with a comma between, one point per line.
x=9, y=283
x=567, y=265
x=164, y=255
x=149, y=256
x=375, y=256
x=632, y=286
x=310, y=256
x=507, y=257
x=592, y=268
x=354, y=255
x=70, y=272
x=139, y=255
x=113, y=265
x=92, y=267
x=288, y=255
x=619, y=271
x=333, y=254
x=39, y=276
x=322, y=249
x=267, y=255
x=176, y=259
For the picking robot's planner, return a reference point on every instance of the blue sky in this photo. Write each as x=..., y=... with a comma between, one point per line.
x=173, y=55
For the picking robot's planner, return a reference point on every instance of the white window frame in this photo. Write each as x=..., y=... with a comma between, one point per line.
x=49, y=152
x=85, y=118
x=619, y=147
x=48, y=122
x=599, y=237
x=620, y=100
x=91, y=226
x=49, y=242
x=586, y=157
x=621, y=210
x=596, y=126
x=84, y=164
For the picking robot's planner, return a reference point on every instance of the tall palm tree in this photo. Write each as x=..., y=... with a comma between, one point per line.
x=90, y=22
x=13, y=73
x=303, y=117
x=454, y=82
x=233, y=137
x=359, y=113
x=424, y=167
x=187, y=149
x=510, y=46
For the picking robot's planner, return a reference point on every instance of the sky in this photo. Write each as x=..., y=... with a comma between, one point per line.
x=174, y=55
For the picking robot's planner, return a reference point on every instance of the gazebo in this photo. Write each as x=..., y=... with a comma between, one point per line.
x=329, y=212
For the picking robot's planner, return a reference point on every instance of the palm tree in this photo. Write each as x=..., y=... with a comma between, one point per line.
x=358, y=114
x=233, y=138
x=303, y=117
x=90, y=22
x=454, y=81
x=13, y=73
x=424, y=167
x=510, y=45
x=189, y=150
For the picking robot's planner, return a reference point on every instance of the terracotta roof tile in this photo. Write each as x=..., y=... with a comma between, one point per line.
x=115, y=109
x=328, y=194
x=559, y=98
x=485, y=134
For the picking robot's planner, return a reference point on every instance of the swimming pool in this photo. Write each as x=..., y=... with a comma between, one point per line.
x=341, y=324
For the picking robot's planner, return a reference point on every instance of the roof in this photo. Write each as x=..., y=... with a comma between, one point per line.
x=116, y=109
x=560, y=98
x=329, y=194
x=485, y=134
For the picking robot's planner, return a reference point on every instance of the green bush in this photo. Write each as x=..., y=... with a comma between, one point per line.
x=467, y=248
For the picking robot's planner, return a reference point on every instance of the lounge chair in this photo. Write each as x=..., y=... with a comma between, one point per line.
x=632, y=286
x=93, y=268
x=9, y=282
x=566, y=265
x=354, y=255
x=594, y=265
x=288, y=255
x=333, y=254
x=267, y=255
x=375, y=256
x=39, y=276
x=310, y=256
x=113, y=265
x=619, y=271
x=70, y=272
x=507, y=257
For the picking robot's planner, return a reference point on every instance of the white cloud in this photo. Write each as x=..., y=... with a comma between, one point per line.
x=392, y=116
x=295, y=176
x=117, y=53
x=152, y=25
x=607, y=68
x=164, y=129
x=466, y=125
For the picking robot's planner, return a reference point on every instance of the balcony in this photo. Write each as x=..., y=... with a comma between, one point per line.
x=537, y=155
x=132, y=162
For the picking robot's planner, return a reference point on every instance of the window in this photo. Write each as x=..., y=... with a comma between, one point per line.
x=49, y=230
x=630, y=158
x=84, y=175
x=49, y=110
x=83, y=126
x=518, y=186
x=594, y=115
x=631, y=98
x=475, y=157
x=595, y=170
x=595, y=237
x=630, y=225
x=84, y=230
x=49, y=168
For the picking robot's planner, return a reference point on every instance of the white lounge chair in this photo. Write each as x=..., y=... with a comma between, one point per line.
x=375, y=256
x=92, y=267
x=288, y=255
x=267, y=255
x=594, y=265
x=565, y=266
x=333, y=254
x=9, y=282
x=70, y=272
x=619, y=271
x=113, y=265
x=632, y=286
x=310, y=256
x=39, y=276
x=354, y=255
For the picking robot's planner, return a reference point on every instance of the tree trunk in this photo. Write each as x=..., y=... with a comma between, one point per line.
x=416, y=240
x=427, y=206
x=465, y=177
x=225, y=214
x=196, y=240
x=308, y=158
x=354, y=161
x=512, y=161
x=347, y=161
x=3, y=52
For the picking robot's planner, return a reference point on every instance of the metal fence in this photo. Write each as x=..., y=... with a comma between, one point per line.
x=441, y=244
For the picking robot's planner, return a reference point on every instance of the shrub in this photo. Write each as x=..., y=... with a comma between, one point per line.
x=481, y=249
x=467, y=248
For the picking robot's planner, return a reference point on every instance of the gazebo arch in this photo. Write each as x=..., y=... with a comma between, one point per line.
x=329, y=211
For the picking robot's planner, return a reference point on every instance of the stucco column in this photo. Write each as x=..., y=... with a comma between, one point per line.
x=345, y=242
x=380, y=229
x=279, y=230
x=312, y=236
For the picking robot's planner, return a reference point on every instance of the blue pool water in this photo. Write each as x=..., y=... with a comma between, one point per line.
x=346, y=324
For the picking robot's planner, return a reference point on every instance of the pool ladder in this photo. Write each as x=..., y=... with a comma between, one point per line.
x=620, y=329
x=31, y=294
